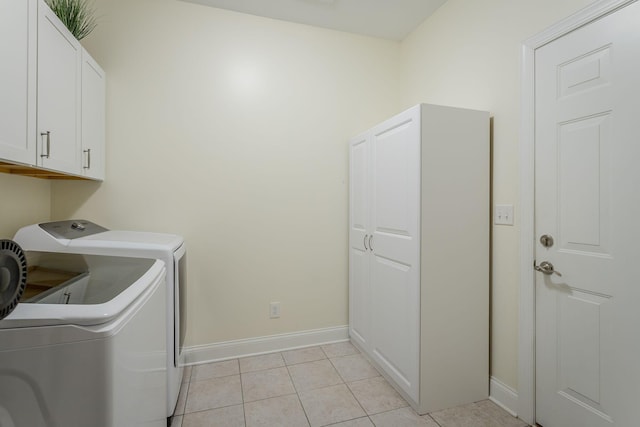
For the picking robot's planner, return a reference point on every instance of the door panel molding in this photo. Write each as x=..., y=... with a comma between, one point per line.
x=526, y=340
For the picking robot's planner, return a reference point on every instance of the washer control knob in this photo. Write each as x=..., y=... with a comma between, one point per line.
x=77, y=226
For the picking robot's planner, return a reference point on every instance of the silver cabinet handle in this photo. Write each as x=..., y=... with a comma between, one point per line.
x=546, y=267
x=88, y=151
x=365, y=242
x=370, y=247
x=48, y=135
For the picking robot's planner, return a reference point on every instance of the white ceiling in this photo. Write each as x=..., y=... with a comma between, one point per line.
x=389, y=19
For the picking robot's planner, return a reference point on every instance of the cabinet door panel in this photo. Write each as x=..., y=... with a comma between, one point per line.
x=93, y=117
x=58, y=94
x=18, y=19
x=359, y=300
x=358, y=234
x=394, y=321
x=395, y=225
x=359, y=208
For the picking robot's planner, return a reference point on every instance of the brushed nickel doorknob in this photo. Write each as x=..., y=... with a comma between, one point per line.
x=546, y=267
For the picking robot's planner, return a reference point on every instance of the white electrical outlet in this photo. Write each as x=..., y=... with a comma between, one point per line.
x=274, y=310
x=503, y=215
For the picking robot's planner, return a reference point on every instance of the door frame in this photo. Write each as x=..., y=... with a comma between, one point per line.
x=527, y=298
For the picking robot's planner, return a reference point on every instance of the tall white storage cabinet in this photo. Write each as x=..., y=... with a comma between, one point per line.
x=419, y=253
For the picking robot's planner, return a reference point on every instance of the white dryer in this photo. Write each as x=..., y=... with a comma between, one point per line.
x=84, y=237
x=82, y=347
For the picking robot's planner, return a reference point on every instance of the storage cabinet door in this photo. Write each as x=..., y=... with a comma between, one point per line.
x=395, y=261
x=18, y=20
x=93, y=118
x=59, y=55
x=359, y=289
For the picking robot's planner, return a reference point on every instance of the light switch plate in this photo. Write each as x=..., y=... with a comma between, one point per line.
x=503, y=215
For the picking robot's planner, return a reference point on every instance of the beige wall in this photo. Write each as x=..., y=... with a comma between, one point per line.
x=468, y=55
x=231, y=130
x=25, y=201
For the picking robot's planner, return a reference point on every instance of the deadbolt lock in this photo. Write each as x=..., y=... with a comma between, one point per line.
x=546, y=240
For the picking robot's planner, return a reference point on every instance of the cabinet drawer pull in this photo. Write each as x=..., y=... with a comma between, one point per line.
x=365, y=242
x=48, y=135
x=88, y=151
x=370, y=247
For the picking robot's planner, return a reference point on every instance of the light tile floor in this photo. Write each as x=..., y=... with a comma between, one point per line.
x=312, y=387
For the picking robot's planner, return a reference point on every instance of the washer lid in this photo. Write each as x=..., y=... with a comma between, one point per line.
x=137, y=243
x=111, y=286
x=13, y=276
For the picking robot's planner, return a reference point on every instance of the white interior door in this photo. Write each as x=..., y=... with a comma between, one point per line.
x=395, y=263
x=588, y=200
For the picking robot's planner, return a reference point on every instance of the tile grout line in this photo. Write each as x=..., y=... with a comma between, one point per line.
x=324, y=352
x=343, y=383
x=359, y=403
x=296, y=388
x=244, y=410
x=305, y=361
x=337, y=370
x=186, y=396
x=349, y=388
x=216, y=408
x=428, y=414
x=263, y=369
x=304, y=411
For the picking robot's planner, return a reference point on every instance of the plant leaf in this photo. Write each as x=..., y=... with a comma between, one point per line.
x=76, y=15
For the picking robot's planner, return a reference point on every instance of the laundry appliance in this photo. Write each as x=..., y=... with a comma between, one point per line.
x=85, y=237
x=83, y=347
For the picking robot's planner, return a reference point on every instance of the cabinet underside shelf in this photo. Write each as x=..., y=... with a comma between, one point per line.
x=25, y=170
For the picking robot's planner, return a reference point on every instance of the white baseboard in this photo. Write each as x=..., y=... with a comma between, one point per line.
x=198, y=354
x=503, y=396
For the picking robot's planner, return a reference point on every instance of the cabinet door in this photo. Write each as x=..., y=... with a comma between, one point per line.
x=395, y=261
x=59, y=60
x=18, y=20
x=359, y=290
x=93, y=117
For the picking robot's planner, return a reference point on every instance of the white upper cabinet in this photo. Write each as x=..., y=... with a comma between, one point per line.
x=93, y=118
x=18, y=21
x=59, y=68
x=52, y=96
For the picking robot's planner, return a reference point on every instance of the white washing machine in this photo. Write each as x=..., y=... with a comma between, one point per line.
x=82, y=348
x=80, y=236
